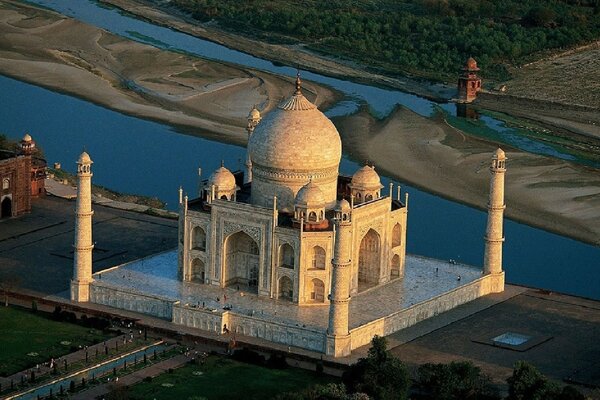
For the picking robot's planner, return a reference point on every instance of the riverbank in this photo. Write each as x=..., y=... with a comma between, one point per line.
x=558, y=107
x=65, y=55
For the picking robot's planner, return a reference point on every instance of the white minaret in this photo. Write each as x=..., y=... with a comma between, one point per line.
x=338, y=336
x=82, y=261
x=253, y=120
x=494, y=237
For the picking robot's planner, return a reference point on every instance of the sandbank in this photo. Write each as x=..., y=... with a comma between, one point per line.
x=552, y=194
x=206, y=98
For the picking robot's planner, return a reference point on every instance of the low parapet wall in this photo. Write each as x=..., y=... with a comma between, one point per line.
x=131, y=301
x=273, y=331
x=430, y=308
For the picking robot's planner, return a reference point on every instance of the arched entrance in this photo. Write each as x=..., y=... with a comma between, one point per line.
x=6, y=208
x=198, y=271
x=241, y=261
x=316, y=290
x=198, y=239
x=369, y=260
x=286, y=288
x=317, y=257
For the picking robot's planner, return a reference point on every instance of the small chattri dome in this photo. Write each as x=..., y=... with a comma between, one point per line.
x=310, y=195
x=499, y=154
x=366, y=178
x=27, y=138
x=84, y=158
x=222, y=179
x=471, y=64
x=342, y=206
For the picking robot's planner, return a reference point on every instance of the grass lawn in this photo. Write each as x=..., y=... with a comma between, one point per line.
x=28, y=338
x=223, y=378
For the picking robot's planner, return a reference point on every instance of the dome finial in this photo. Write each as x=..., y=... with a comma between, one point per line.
x=222, y=163
x=298, y=83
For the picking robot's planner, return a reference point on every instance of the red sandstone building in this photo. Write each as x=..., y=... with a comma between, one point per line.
x=22, y=176
x=469, y=83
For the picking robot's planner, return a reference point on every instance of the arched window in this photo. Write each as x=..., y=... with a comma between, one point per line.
x=396, y=235
x=198, y=239
x=369, y=197
x=224, y=197
x=369, y=260
x=286, y=256
x=317, y=291
x=5, y=183
x=318, y=258
x=312, y=217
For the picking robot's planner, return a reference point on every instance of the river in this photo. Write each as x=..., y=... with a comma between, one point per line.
x=139, y=156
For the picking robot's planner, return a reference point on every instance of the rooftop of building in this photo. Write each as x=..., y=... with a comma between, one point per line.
x=243, y=195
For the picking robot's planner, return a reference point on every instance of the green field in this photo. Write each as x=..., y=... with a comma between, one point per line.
x=222, y=378
x=28, y=338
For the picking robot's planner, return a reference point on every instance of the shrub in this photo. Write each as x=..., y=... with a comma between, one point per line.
x=277, y=361
x=248, y=356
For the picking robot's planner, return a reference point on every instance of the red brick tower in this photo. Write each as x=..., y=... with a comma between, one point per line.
x=38, y=166
x=469, y=83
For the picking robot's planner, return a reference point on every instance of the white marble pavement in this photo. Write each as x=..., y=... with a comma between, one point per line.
x=424, y=279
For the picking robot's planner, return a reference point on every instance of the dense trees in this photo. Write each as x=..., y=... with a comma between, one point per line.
x=527, y=383
x=430, y=38
x=455, y=381
x=380, y=375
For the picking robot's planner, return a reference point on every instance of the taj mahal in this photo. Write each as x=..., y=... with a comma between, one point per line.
x=289, y=250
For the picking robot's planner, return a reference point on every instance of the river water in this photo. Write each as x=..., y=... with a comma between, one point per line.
x=139, y=156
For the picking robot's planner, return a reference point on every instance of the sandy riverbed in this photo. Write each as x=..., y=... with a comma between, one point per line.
x=212, y=99
x=545, y=192
x=205, y=97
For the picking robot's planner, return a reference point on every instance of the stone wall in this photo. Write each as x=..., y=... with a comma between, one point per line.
x=127, y=300
x=277, y=332
x=430, y=308
x=16, y=172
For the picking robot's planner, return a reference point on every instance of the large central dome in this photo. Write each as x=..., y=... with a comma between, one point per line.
x=292, y=145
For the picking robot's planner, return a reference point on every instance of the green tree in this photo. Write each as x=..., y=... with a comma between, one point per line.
x=380, y=375
x=455, y=381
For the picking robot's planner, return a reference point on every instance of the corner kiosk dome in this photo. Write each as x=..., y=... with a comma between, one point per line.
x=366, y=178
x=499, y=154
x=222, y=179
x=84, y=158
x=27, y=138
x=310, y=196
x=292, y=144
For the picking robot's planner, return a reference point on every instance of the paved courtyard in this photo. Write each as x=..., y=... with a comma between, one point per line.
x=424, y=278
x=569, y=327
x=36, y=249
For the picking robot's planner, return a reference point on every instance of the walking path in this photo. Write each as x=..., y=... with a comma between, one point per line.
x=133, y=378
x=44, y=370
